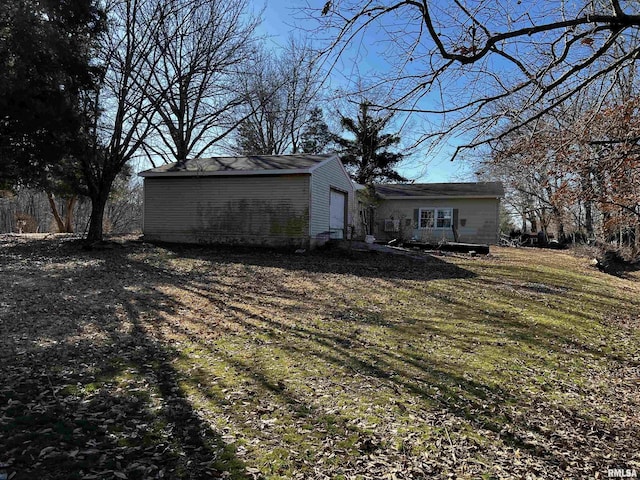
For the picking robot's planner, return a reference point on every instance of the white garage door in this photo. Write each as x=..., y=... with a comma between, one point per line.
x=337, y=208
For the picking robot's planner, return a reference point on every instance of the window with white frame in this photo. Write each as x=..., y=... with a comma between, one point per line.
x=436, y=217
x=444, y=217
x=427, y=217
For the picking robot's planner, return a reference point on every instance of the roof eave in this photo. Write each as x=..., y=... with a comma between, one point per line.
x=438, y=197
x=225, y=173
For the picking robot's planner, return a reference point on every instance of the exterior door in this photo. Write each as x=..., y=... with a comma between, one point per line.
x=337, y=209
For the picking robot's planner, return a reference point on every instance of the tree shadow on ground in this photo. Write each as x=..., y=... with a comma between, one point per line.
x=85, y=391
x=485, y=406
x=130, y=336
x=442, y=387
x=365, y=264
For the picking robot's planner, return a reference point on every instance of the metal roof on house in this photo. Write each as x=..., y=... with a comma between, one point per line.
x=440, y=190
x=245, y=165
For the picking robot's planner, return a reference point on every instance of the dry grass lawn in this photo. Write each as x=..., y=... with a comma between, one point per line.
x=143, y=361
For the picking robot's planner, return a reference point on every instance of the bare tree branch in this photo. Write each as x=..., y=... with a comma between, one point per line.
x=201, y=49
x=469, y=57
x=279, y=93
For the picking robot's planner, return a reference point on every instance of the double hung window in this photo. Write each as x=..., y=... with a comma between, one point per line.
x=427, y=217
x=435, y=218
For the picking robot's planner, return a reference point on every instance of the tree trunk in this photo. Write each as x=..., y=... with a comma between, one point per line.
x=98, y=205
x=588, y=219
x=561, y=235
x=371, y=214
x=557, y=219
x=607, y=231
x=68, y=218
x=56, y=214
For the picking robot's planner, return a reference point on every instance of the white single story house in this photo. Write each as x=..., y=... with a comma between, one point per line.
x=436, y=212
x=272, y=200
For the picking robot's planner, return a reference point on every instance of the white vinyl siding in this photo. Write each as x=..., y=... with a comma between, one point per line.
x=326, y=177
x=241, y=209
x=477, y=219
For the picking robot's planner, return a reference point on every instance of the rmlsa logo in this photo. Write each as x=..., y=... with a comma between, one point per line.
x=622, y=473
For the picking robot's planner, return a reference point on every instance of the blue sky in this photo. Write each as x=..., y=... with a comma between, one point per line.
x=281, y=18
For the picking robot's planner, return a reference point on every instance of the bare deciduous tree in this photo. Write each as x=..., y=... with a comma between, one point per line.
x=202, y=48
x=582, y=167
x=167, y=67
x=118, y=105
x=482, y=63
x=279, y=92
